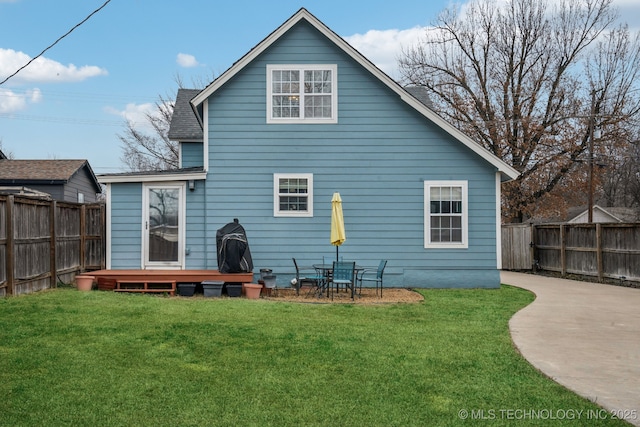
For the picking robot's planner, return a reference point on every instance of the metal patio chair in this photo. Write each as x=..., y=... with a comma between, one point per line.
x=377, y=279
x=316, y=278
x=344, y=274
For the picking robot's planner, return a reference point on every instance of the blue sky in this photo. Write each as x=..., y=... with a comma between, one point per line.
x=74, y=103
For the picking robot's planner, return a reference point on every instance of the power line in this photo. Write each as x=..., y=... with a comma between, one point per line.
x=79, y=96
x=55, y=42
x=72, y=120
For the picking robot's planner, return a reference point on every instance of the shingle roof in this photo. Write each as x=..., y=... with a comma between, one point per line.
x=421, y=94
x=184, y=123
x=40, y=170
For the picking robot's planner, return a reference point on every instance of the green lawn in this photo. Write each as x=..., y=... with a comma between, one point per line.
x=103, y=358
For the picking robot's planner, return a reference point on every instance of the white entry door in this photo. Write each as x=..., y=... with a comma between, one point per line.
x=163, y=225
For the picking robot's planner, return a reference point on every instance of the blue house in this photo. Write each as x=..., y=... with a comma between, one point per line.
x=299, y=117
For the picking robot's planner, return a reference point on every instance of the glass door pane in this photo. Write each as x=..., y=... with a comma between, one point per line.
x=163, y=225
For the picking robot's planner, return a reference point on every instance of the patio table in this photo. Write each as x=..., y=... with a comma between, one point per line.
x=327, y=271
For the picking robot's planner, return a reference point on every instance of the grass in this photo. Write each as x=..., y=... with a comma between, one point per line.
x=109, y=359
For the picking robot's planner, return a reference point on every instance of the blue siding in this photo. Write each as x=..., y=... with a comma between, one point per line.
x=196, y=249
x=192, y=154
x=126, y=226
x=377, y=156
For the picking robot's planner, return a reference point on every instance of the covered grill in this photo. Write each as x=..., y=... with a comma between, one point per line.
x=234, y=255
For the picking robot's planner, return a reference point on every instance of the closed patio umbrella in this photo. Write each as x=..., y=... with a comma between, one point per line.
x=338, y=235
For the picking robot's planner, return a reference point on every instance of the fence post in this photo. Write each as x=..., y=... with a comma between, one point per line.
x=83, y=237
x=599, y=252
x=10, y=247
x=532, y=247
x=563, y=251
x=52, y=244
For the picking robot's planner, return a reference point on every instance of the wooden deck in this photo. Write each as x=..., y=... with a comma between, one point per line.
x=148, y=280
x=180, y=276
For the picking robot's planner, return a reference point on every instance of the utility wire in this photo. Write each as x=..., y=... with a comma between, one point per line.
x=55, y=42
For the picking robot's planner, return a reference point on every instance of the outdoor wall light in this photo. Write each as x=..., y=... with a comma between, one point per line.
x=192, y=185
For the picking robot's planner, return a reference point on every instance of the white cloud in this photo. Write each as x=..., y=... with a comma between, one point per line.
x=187, y=61
x=384, y=47
x=10, y=101
x=43, y=70
x=134, y=113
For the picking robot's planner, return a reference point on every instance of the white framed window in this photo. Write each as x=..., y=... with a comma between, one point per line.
x=446, y=214
x=302, y=93
x=293, y=194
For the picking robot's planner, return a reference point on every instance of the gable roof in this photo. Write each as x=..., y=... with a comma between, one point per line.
x=2, y=155
x=184, y=125
x=508, y=172
x=43, y=171
x=606, y=214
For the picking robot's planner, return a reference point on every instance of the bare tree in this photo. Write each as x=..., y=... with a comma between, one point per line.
x=514, y=78
x=9, y=154
x=148, y=151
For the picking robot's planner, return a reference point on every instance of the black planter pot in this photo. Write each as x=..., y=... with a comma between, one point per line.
x=234, y=289
x=186, y=289
x=212, y=288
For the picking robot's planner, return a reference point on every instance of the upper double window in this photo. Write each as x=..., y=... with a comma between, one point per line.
x=302, y=94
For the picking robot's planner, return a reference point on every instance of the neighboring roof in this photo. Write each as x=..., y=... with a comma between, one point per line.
x=421, y=94
x=24, y=192
x=507, y=171
x=2, y=155
x=184, y=125
x=611, y=214
x=195, y=173
x=43, y=171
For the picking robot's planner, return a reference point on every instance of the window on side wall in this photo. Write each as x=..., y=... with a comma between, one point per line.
x=446, y=214
x=302, y=93
x=293, y=195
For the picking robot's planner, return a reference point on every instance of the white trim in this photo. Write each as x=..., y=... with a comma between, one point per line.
x=464, y=185
x=302, y=68
x=108, y=227
x=276, y=195
x=508, y=171
x=164, y=177
x=498, y=223
x=205, y=136
x=182, y=211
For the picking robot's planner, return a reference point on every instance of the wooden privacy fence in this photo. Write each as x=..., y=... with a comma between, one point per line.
x=601, y=250
x=43, y=242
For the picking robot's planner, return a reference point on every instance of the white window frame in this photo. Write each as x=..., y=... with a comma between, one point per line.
x=464, y=215
x=276, y=195
x=302, y=68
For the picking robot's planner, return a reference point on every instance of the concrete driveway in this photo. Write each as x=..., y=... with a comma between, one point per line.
x=585, y=336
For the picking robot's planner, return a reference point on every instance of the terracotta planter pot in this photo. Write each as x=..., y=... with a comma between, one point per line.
x=252, y=290
x=84, y=282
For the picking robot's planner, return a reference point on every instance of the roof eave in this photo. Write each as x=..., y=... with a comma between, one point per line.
x=152, y=177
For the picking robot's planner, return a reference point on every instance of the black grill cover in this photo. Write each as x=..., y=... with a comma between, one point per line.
x=234, y=255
